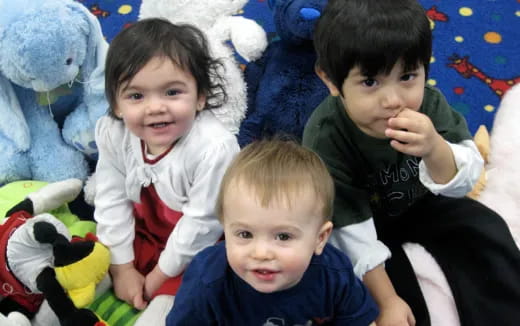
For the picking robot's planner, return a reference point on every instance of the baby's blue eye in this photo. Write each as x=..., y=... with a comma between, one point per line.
x=283, y=236
x=245, y=234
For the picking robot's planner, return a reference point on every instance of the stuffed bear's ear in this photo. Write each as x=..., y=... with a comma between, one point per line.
x=93, y=69
x=11, y=10
x=12, y=124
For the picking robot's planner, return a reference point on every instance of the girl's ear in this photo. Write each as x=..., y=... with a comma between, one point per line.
x=323, y=237
x=334, y=91
x=118, y=113
x=201, y=102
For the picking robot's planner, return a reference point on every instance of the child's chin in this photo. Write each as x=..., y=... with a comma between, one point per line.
x=266, y=290
x=272, y=289
x=379, y=134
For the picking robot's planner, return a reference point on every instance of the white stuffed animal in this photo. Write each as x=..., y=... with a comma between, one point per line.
x=216, y=20
x=501, y=193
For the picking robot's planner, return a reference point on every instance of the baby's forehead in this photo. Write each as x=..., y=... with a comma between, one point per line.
x=289, y=196
x=279, y=192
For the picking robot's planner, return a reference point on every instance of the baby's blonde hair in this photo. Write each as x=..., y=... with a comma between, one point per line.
x=279, y=170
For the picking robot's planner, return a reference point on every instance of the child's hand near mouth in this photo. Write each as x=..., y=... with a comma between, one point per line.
x=412, y=133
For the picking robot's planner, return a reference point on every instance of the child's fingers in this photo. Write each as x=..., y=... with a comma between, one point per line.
x=148, y=293
x=138, y=302
x=398, y=146
x=400, y=126
x=405, y=147
x=407, y=119
x=411, y=319
x=407, y=113
x=401, y=135
x=397, y=122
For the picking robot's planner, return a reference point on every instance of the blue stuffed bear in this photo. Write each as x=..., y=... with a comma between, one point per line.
x=282, y=87
x=51, y=89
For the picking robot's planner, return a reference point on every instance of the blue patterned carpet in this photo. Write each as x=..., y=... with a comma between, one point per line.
x=476, y=53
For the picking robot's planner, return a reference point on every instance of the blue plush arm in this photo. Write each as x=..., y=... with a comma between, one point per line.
x=13, y=127
x=79, y=126
x=252, y=125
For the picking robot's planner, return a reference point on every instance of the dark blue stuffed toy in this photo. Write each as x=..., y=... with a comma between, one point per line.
x=282, y=87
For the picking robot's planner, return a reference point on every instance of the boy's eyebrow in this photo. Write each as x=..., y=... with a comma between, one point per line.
x=411, y=70
x=356, y=72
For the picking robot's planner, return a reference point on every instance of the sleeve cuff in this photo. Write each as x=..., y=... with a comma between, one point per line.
x=121, y=255
x=469, y=166
x=188, y=238
x=359, y=242
x=171, y=266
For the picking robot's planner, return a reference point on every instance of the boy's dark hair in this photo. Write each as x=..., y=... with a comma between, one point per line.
x=184, y=44
x=372, y=35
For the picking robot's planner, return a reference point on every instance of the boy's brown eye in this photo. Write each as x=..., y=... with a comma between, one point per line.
x=369, y=82
x=407, y=77
x=172, y=92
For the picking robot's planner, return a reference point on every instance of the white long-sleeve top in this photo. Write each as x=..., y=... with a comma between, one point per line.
x=186, y=179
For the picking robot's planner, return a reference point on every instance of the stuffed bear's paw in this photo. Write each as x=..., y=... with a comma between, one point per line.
x=85, y=142
x=80, y=134
x=14, y=318
x=14, y=165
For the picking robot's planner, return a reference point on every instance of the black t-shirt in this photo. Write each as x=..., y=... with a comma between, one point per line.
x=370, y=176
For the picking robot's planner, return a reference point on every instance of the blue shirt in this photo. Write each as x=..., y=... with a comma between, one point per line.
x=328, y=294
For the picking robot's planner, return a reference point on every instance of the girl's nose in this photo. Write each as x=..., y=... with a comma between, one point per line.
x=156, y=106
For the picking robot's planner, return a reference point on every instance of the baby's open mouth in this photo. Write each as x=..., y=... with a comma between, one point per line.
x=263, y=271
x=159, y=124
